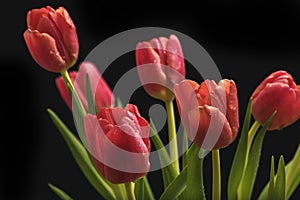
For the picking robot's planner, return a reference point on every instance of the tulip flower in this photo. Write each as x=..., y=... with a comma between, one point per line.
x=51, y=38
x=118, y=141
x=278, y=92
x=209, y=112
x=103, y=94
x=160, y=65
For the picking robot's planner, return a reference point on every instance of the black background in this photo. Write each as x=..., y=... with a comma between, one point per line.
x=246, y=40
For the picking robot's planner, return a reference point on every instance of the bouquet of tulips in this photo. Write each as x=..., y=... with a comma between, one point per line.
x=114, y=144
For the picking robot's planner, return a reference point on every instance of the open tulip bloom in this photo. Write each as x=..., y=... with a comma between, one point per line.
x=114, y=152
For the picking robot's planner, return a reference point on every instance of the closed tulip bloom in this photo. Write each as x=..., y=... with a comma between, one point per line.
x=209, y=112
x=278, y=92
x=100, y=89
x=118, y=140
x=51, y=38
x=160, y=66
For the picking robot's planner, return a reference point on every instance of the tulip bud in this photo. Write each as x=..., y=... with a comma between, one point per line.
x=209, y=112
x=103, y=94
x=51, y=38
x=160, y=66
x=118, y=140
x=278, y=92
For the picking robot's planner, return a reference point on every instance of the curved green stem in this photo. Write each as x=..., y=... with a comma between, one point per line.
x=67, y=80
x=72, y=91
x=216, y=184
x=130, y=190
x=172, y=134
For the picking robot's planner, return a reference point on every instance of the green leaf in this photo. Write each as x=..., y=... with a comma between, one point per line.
x=293, y=174
x=239, y=160
x=292, y=170
x=249, y=176
x=168, y=172
x=142, y=189
x=185, y=146
x=90, y=96
x=279, y=186
x=194, y=187
x=61, y=194
x=272, y=180
x=82, y=158
x=176, y=187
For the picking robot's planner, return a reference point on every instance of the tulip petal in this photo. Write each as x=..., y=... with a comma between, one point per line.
x=114, y=115
x=34, y=16
x=232, y=109
x=282, y=98
x=210, y=127
x=281, y=74
x=158, y=46
x=68, y=32
x=174, y=55
x=43, y=49
x=150, y=72
x=142, y=122
x=186, y=98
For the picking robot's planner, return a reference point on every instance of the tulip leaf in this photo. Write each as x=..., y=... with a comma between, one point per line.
x=82, y=158
x=142, y=189
x=279, y=185
x=90, y=96
x=185, y=145
x=239, y=160
x=292, y=170
x=194, y=186
x=249, y=176
x=168, y=172
x=293, y=174
x=61, y=194
x=176, y=187
x=272, y=180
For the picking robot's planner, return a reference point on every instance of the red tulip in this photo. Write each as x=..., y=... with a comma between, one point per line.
x=160, y=65
x=103, y=94
x=51, y=38
x=278, y=92
x=209, y=112
x=118, y=140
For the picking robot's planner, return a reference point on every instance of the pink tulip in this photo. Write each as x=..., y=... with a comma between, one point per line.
x=209, y=112
x=118, y=140
x=51, y=38
x=278, y=92
x=102, y=92
x=160, y=66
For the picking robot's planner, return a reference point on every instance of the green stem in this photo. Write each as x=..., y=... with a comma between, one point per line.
x=216, y=184
x=172, y=134
x=72, y=91
x=119, y=190
x=67, y=80
x=130, y=190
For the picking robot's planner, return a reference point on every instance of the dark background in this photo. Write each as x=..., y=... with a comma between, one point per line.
x=246, y=40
